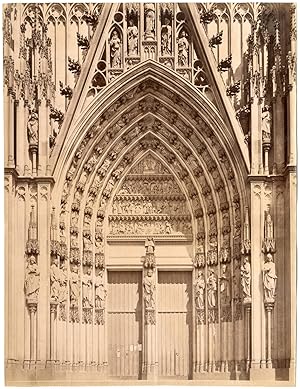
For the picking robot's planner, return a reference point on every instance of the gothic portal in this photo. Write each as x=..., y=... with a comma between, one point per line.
x=150, y=192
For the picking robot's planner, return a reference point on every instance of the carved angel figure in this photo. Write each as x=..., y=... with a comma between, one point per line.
x=183, y=50
x=132, y=34
x=87, y=289
x=115, y=50
x=212, y=289
x=100, y=291
x=199, y=290
x=149, y=289
x=54, y=279
x=269, y=278
x=166, y=38
x=32, y=279
x=246, y=278
x=32, y=126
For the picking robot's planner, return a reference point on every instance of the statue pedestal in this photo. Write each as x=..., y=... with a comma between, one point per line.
x=262, y=374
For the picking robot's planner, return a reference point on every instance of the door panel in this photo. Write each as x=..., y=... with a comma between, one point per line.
x=124, y=324
x=174, y=323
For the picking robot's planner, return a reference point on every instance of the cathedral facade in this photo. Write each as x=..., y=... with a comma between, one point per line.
x=150, y=192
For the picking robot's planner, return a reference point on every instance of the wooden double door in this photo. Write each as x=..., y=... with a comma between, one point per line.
x=173, y=327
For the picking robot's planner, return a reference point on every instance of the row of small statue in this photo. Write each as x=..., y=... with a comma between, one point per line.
x=269, y=284
x=74, y=286
x=145, y=186
x=115, y=42
x=149, y=207
x=58, y=283
x=149, y=227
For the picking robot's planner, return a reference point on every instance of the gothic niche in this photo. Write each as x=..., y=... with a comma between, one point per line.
x=150, y=202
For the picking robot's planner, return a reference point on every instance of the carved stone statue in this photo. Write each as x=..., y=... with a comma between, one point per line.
x=149, y=289
x=168, y=228
x=269, y=226
x=150, y=246
x=269, y=278
x=32, y=127
x=54, y=279
x=212, y=289
x=246, y=278
x=149, y=21
x=166, y=38
x=74, y=287
x=225, y=285
x=115, y=50
x=87, y=243
x=199, y=290
x=32, y=279
x=100, y=291
x=132, y=35
x=63, y=281
x=266, y=123
x=183, y=50
x=87, y=289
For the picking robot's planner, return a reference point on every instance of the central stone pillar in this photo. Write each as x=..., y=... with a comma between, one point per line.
x=150, y=361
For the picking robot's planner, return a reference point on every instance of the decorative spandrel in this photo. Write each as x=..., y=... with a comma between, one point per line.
x=156, y=31
x=150, y=202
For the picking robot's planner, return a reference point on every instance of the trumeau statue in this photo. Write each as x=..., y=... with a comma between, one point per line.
x=55, y=275
x=100, y=291
x=199, y=290
x=212, y=289
x=246, y=279
x=269, y=278
x=74, y=287
x=115, y=50
x=32, y=127
x=32, y=279
x=132, y=34
x=149, y=289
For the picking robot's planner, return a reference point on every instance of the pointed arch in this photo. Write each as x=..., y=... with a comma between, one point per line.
x=167, y=80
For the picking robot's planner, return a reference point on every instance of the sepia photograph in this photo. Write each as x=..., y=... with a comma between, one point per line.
x=150, y=193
